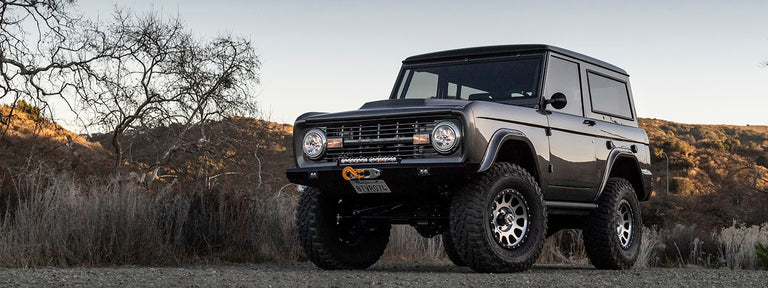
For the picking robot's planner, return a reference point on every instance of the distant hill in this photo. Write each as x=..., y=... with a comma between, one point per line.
x=238, y=153
x=29, y=140
x=755, y=128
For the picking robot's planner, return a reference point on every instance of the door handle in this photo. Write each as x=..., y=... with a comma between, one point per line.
x=590, y=122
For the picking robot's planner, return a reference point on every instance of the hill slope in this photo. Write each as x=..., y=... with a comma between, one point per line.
x=29, y=140
x=717, y=173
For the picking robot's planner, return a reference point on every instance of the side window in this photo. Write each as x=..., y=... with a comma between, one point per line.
x=609, y=96
x=563, y=76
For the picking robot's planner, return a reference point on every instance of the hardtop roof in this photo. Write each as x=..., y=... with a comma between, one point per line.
x=505, y=50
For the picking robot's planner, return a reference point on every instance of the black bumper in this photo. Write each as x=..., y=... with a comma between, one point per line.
x=401, y=178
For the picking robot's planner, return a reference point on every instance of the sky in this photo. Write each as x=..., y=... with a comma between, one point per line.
x=698, y=62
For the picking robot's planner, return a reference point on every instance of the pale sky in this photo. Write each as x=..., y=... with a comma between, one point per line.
x=689, y=61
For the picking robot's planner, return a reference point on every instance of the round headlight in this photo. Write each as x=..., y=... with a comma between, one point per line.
x=445, y=137
x=314, y=143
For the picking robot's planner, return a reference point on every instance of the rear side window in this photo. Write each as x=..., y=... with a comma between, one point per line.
x=609, y=96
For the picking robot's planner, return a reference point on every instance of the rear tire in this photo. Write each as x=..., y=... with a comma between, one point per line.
x=613, y=233
x=498, y=221
x=332, y=244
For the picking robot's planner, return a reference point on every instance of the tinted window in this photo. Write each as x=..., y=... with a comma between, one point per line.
x=509, y=81
x=422, y=85
x=609, y=96
x=563, y=77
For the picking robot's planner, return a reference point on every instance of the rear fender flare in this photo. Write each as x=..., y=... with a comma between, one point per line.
x=616, y=154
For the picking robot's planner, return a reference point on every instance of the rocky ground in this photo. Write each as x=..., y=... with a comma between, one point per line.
x=381, y=275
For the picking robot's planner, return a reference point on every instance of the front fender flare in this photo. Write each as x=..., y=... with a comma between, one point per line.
x=498, y=138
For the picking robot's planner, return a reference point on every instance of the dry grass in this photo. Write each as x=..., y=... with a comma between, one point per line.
x=53, y=219
x=564, y=247
x=738, y=245
x=732, y=247
x=63, y=222
x=405, y=244
x=650, y=248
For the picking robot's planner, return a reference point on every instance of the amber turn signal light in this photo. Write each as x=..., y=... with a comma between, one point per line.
x=420, y=139
x=335, y=143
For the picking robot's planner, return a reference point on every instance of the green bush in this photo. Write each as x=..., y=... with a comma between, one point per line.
x=762, y=255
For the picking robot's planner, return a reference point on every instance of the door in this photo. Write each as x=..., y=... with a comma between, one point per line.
x=572, y=141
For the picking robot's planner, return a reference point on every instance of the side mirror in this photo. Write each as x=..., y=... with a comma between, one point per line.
x=557, y=101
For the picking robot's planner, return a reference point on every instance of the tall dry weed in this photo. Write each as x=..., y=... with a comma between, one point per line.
x=405, y=244
x=651, y=246
x=564, y=247
x=738, y=244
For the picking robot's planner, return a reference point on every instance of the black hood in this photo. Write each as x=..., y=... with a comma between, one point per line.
x=390, y=108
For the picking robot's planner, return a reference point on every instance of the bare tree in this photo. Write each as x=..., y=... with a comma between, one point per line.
x=44, y=63
x=215, y=81
x=128, y=76
x=165, y=77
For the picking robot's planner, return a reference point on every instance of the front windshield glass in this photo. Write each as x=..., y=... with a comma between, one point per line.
x=508, y=81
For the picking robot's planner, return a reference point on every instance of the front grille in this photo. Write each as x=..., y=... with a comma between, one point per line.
x=380, y=138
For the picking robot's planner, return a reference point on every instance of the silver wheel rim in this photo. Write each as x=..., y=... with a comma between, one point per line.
x=624, y=223
x=509, y=219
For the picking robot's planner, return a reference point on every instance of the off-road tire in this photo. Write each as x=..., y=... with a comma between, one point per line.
x=450, y=250
x=319, y=235
x=470, y=219
x=601, y=232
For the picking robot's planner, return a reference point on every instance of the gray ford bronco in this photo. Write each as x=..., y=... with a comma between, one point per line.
x=494, y=148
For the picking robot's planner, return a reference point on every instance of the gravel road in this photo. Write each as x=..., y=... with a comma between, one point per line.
x=381, y=275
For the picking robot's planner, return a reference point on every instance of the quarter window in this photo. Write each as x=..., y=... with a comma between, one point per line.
x=609, y=96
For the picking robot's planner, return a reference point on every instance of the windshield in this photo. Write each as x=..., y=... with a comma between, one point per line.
x=508, y=81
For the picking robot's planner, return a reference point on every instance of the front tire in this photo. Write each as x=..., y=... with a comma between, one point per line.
x=498, y=221
x=450, y=250
x=613, y=234
x=334, y=243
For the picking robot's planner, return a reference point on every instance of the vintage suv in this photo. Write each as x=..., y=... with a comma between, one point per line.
x=493, y=147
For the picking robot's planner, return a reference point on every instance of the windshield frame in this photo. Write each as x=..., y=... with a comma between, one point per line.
x=532, y=101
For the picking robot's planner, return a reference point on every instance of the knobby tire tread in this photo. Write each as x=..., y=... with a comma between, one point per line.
x=467, y=227
x=600, y=240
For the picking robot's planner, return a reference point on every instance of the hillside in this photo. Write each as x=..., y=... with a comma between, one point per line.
x=222, y=196
x=718, y=173
x=30, y=141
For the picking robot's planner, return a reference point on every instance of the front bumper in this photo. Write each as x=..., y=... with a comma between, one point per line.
x=401, y=178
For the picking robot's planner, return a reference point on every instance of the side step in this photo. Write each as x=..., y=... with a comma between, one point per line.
x=569, y=208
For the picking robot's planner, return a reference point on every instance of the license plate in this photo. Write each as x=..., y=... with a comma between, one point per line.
x=370, y=186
